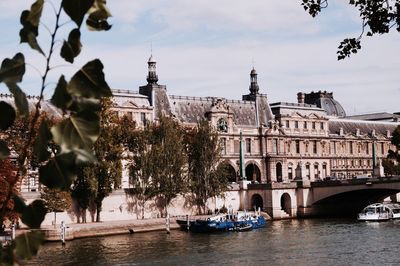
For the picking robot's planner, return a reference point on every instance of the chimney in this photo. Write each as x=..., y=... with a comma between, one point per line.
x=300, y=97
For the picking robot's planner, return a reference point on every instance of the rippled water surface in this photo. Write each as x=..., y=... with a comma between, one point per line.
x=290, y=242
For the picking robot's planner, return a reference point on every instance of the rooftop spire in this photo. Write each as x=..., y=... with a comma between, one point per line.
x=152, y=77
x=253, y=82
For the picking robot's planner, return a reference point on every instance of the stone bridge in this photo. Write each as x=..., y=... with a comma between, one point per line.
x=320, y=198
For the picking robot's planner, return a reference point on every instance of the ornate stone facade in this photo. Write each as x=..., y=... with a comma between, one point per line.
x=309, y=140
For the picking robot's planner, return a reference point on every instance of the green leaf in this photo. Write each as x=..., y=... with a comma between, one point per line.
x=20, y=99
x=84, y=156
x=61, y=98
x=4, y=151
x=28, y=244
x=7, y=116
x=72, y=48
x=59, y=171
x=29, y=31
x=40, y=144
x=89, y=82
x=33, y=214
x=76, y=9
x=79, y=131
x=36, y=13
x=81, y=104
x=12, y=70
x=98, y=16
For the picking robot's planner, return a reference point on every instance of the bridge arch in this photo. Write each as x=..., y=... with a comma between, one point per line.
x=257, y=201
x=347, y=199
x=286, y=203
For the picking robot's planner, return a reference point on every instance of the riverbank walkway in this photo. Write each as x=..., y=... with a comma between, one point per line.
x=94, y=229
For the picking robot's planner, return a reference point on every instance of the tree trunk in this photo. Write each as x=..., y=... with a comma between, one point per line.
x=98, y=210
x=84, y=216
x=55, y=219
x=143, y=203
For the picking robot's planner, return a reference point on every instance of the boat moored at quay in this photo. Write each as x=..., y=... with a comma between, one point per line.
x=239, y=221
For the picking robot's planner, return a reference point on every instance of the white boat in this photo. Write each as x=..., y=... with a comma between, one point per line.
x=394, y=210
x=375, y=212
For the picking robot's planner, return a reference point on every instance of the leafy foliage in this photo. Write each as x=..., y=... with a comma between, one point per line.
x=204, y=153
x=7, y=176
x=30, y=20
x=8, y=115
x=140, y=170
x=72, y=47
x=56, y=200
x=377, y=16
x=168, y=150
x=57, y=151
x=392, y=163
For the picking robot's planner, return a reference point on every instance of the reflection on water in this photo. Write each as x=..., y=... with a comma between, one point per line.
x=290, y=242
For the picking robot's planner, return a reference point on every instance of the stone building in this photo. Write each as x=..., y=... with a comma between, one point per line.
x=309, y=140
x=287, y=146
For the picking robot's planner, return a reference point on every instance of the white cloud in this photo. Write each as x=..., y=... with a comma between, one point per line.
x=292, y=51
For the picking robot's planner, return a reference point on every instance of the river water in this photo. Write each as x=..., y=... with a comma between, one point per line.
x=287, y=242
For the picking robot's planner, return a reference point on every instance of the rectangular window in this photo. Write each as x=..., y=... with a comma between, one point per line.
x=248, y=145
x=322, y=125
x=383, y=148
x=290, y=172
x=297, y=146
x=316, y=171
x=236, y=146
x=314, y=146
x=313, y=125
x=305, y=124
x=143, y=118
x=308, y=171
x=275, y=146
x=351, y=147
x=296, y=124
x=129, y=115
x=287, y=124
x=367, y=147
x=223, y=146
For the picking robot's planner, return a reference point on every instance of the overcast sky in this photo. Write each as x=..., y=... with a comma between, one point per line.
x=207, y=48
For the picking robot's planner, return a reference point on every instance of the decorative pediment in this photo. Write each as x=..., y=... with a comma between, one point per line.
x=219, y=106
x=313, y=116
x=129, y=104
x=275, y=128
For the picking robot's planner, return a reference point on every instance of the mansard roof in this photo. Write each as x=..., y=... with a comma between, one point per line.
x=376, y=117
x=45, y=105
x=299, y=109
x=193, y=109
x=365, y=127
x=130, y=99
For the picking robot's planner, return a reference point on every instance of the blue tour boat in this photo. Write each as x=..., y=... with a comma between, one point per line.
x=240, y=221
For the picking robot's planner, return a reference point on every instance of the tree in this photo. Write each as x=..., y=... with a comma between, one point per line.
x=55, y=201
x=392, y=163
x=206, y=179
x=7, y=175
x=168, y=155
x=107, y=172
x=141, y=168
x=79, y=98
x=378, y=17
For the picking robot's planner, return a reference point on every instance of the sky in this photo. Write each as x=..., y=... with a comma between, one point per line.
x=208, y=48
